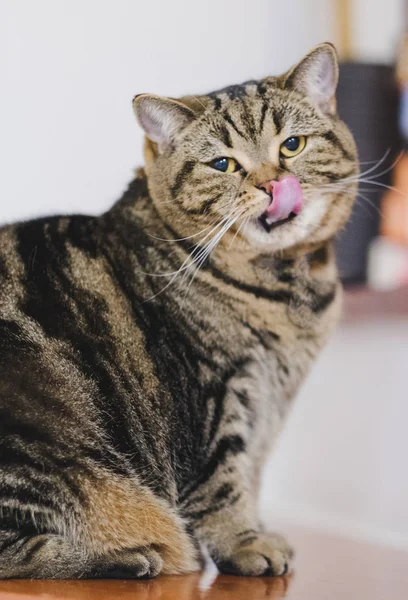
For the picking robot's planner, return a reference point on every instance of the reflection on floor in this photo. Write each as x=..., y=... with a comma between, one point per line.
x=326, y=568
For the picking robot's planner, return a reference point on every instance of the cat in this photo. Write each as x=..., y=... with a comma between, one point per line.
x=149, y=356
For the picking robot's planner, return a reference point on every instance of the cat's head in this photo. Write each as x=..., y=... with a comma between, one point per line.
x=268, y=159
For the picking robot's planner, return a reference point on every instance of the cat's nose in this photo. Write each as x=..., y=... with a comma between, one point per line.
x=268, y=186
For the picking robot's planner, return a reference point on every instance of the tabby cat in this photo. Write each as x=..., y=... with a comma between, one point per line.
x=148, y=356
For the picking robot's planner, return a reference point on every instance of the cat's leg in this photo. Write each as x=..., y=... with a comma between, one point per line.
x=222, y=506
x=225, y=520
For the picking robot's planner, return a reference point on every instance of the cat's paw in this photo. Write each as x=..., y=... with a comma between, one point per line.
x=263, y=554
x=143, y=563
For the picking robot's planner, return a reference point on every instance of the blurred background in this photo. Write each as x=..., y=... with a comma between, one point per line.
x=69, y=143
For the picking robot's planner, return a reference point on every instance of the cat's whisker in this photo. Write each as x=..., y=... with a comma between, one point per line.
x=385, y=186
x=371, y=169
x=369, y=202
x=236, y=233
x=192, y=258
x=360, y=194
x=199, y=102
x=361, y=177
x=210, y=247
x=334, y=187
x=185, y=265
x=214, y=241
x=217, y=238
x=188, y=237
x=199, y=263
x=368, y=162
x=196, y=248
x=385, y=171
x=244, y=221
x=339, y=186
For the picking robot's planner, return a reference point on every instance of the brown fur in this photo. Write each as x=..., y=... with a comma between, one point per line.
x=120, y=516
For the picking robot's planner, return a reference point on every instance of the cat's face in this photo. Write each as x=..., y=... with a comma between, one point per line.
x=268, y=160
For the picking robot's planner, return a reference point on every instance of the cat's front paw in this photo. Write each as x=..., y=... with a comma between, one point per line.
x=263, y=554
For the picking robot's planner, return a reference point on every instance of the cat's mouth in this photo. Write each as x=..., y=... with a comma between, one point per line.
x=286, y=201
x=266, y=222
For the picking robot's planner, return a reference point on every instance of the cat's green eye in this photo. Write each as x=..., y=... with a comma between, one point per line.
x=293, y=146
x=225, y=165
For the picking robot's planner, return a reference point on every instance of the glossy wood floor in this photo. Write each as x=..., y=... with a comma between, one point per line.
x=326, y=568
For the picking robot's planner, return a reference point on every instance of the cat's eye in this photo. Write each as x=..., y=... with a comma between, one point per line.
x=225, y=165
x=293, y=146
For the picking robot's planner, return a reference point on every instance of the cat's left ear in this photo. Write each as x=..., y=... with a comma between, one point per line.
x=316, y=76
x=161, y=118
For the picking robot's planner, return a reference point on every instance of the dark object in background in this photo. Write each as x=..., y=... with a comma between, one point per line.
x=368, y=101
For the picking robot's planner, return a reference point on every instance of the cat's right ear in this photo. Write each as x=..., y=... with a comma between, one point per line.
x=162, y=119
x=316, y=76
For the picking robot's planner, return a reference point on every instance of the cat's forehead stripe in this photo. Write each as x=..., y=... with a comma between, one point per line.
x=235, y=91
x=225, y=136
x=263, y=115
x=330, y=136
x=277, y=121
x=230, y=120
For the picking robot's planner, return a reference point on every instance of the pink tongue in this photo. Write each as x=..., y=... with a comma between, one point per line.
x=287, y=198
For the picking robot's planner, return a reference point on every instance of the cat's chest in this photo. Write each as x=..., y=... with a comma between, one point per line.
x=259, y=394
x=289, y=339
x=276, y=373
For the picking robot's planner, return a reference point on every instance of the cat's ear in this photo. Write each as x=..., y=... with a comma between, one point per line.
x=162, y=119
x=316, y=76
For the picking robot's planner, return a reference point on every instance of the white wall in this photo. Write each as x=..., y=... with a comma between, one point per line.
x=70, y=68
x=341, y=462
x=376, y=29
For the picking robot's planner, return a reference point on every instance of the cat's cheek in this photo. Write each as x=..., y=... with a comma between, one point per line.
x=313, y=213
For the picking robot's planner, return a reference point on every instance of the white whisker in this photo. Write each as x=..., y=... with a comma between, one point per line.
x=370, y=202
x=387, y=170
x=245, y=220
x=209, y=248
x=196, y=248
x=199, y=102
x=373, y=168
x=200, y=252
x=385, y=186
x=192, y=258
x=361, y=177
x=343, y=187
x=188, y=237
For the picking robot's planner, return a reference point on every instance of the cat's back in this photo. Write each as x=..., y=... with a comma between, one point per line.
x=71, y=354
x=45, y=310
x=43, y=274
x=33, y=251
x=42, y=386
x=56, y=290
x=46, y=269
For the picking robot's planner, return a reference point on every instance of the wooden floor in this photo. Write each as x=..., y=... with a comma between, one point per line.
x=326, y=568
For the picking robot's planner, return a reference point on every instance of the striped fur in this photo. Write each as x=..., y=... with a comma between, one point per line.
x=137, y=406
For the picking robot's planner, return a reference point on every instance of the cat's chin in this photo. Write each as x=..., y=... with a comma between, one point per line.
x=269, y=225
x=292, y=231
x=272, y=236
